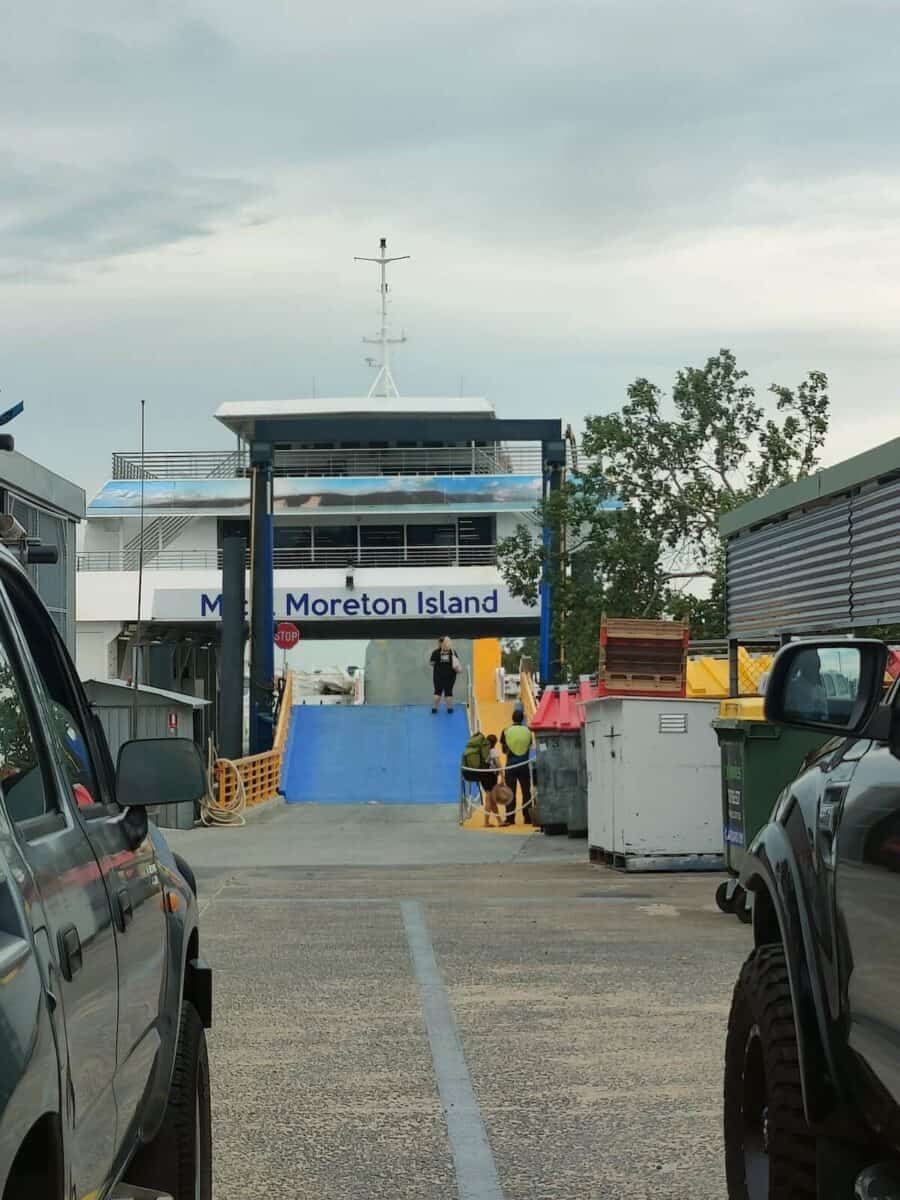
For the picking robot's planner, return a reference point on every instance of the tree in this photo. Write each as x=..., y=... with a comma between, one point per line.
x=607, y=564
x=681, y=473
x=513, y=650
x=675, y=466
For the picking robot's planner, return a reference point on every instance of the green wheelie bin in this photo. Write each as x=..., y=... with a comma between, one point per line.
x=759, y=759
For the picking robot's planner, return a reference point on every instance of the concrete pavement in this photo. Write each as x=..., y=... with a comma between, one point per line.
x=574, y=1016
x=383, y=835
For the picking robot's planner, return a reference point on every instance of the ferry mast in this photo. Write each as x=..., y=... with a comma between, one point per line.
x=383, y=384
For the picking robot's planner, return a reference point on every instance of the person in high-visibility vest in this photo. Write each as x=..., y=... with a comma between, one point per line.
x=516, y=741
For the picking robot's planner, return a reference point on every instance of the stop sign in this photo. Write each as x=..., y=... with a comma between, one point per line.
x=286, y=635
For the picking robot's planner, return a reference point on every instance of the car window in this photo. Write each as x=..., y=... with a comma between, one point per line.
x=70, y=738
x=21, y=777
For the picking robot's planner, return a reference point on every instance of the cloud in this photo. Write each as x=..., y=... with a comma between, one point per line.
x=55, y=215
x=616, y=119
x=590, y=189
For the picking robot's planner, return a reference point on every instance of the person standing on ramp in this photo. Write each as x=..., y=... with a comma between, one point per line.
x=516, y=741
x=445, y=666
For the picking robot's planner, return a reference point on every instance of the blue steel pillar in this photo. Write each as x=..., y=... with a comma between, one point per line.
x=553, y=455
x=262, y=630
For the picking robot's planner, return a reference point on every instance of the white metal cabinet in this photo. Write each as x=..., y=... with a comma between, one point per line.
x=598, y=723
x=654, y=789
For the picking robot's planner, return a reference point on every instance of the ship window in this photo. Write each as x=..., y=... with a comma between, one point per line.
x=476, y=531
x=335, y=536
x=431, y=535
x=381, y=535
x=292, y=537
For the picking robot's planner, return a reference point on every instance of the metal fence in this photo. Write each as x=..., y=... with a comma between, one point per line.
x=260, y=774
x=309, y=558
x=179, y=464
x=466, y=459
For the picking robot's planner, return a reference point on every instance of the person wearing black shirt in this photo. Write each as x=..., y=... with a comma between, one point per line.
x=445, y=668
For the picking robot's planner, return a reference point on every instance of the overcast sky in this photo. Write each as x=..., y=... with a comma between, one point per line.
x=590, y=191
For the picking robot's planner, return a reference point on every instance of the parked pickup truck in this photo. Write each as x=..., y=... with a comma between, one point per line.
x=104, y=997
x=812, y=1064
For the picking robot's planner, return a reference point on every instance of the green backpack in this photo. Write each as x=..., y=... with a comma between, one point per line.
x=477, y=752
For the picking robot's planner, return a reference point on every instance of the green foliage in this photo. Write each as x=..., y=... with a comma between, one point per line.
x=16, y=742
x=513, y=650
x=607, y=566
x=705, y=615
x=680, y=473
x=677, y=465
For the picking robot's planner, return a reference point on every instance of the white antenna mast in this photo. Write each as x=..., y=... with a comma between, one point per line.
x=383, y=384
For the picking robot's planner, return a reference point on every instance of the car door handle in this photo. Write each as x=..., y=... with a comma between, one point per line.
x=828, y=819
x=126, y=910
x=70, y=953
x=830, y=809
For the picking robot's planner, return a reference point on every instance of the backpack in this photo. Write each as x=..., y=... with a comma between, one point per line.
x=477, y=752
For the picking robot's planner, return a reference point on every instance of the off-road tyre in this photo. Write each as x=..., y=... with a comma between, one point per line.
x=724, y=902
x=764, y=1120
x=180, y=1156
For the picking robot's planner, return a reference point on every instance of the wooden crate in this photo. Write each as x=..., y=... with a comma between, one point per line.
x=641, y=657
x=628, y=627
x=664, y=684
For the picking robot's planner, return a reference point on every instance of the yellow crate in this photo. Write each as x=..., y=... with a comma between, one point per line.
x=743, y=708
x=708, y=676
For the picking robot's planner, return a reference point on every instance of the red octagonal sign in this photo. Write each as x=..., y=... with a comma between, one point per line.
x=286, y=635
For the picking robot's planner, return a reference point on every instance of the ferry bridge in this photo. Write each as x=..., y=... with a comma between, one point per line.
x=261, y=431
x=374, y=517
x=367, y=518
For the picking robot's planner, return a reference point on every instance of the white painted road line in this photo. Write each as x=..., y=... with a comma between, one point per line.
x=476, y=1171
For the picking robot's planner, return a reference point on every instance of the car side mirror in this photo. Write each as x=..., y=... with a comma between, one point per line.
x=833, y=685
x=155, y=771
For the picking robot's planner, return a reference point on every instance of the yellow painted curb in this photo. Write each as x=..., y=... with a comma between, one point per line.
x=476, y=824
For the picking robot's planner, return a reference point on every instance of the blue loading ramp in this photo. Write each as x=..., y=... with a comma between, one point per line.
x=392, y=754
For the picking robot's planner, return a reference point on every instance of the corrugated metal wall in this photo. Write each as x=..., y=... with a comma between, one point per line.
x=836, y=567
x=152, y=722
x=875, y=555
x=116, y=722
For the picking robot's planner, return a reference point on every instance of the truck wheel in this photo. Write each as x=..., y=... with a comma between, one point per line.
x=724, y=902
x=179, y=1159
x=770, y=1153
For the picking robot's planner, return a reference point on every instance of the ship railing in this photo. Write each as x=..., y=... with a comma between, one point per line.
x=466, y=459
x=180, y=464
x=307, y=558
x=259, y=773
